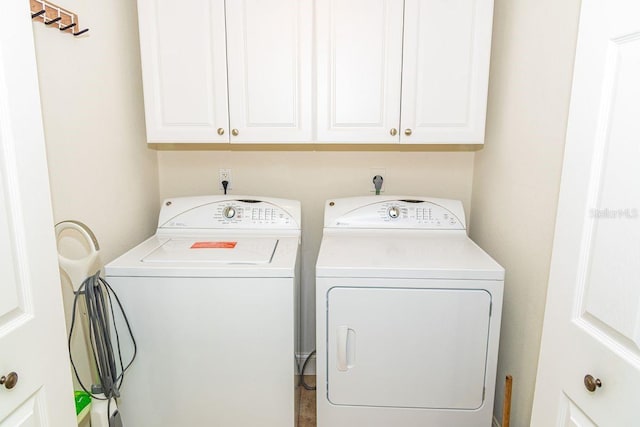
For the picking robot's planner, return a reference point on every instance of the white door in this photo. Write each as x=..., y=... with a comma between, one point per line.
x=447, y=46
x=32, y=330
x=592, y=319
x=184, y=70
x=269, y=46
x=359, y=67
x=385, y=344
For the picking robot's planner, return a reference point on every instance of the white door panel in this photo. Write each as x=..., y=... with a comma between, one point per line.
x=359, y=66
x=269, y=52
x=592, y=322
x=11, y=303
x=572, y=416
x=614, y=232
x=27, y=415
x=32, y=331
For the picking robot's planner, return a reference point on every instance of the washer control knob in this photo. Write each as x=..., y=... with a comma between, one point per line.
x=229, y=212
x=394, y=212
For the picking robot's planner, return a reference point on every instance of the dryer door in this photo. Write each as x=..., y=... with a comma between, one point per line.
x=408, y=348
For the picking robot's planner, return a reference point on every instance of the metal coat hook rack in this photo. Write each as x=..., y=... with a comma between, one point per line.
x=49, y=14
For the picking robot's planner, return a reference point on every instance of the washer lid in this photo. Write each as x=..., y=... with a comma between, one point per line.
x=245, y=250
x=214, y=255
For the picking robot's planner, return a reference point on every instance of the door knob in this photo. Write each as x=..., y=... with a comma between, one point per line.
x=9, y=381
x=220, y=131
x=393, y=131
x=408, y=132
x=234, y=132
x=592, y=383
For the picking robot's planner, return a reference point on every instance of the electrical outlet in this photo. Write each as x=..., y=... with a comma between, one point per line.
x=373, y=172
x=224, y=175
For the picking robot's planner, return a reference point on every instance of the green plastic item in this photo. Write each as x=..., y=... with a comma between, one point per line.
x=83, y=403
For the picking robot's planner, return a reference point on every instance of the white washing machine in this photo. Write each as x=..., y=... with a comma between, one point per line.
x=408, y=316
x=212, y=299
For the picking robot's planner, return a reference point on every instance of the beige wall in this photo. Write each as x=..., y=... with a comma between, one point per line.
x=100, y=168
x=517, y=175
x=313, y=177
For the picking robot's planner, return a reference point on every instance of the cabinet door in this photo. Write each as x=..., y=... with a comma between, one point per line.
x=359, y=65
x=445, y=70
x=269, y=47
x=184, y=70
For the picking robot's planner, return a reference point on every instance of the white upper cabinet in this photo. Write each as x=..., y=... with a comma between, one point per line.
x=193, y=50
x=184, y=70
x=445, y=70
x=269, y=54
x=412, y=71
x=359, y=69
x=345, y=71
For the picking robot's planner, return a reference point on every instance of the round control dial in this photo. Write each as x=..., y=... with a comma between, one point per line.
x=229, y=212
x=393, y=212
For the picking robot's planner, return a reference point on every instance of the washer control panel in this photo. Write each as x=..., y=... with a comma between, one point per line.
x=389, y=212
x=251, y=213
x=229, y=213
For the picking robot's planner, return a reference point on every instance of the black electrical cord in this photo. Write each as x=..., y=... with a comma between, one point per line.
x=304, y=365
x=225, y=184
x=98, y=297
x=377, y=182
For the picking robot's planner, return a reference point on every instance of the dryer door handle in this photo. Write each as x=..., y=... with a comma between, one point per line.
x=346, y=348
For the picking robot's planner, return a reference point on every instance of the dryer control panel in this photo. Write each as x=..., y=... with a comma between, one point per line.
x=227, y=212
x=395, y=212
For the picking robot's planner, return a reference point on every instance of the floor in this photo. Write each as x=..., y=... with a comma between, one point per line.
x=307, y=416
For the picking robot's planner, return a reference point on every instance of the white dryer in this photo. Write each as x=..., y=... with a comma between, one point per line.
x=408, y=316
x=212, y=299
